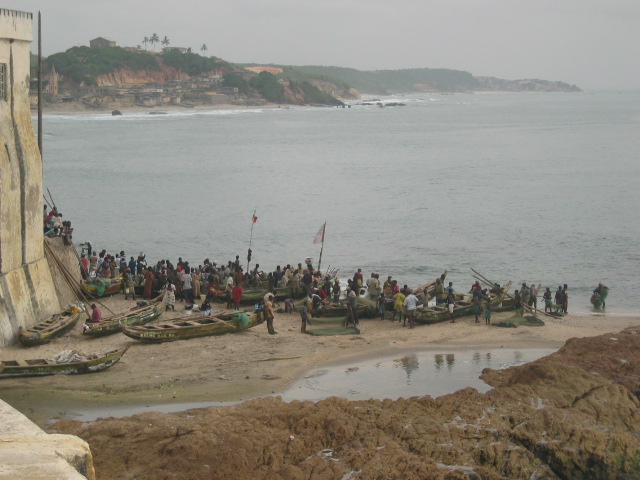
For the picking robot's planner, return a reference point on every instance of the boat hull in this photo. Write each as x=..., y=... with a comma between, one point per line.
x=41, y=367
x=112, y=325
x=190, y=326
x=55, y=326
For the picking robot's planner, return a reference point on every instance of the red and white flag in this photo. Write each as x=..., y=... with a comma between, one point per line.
x=254, y=219
x=320, y=235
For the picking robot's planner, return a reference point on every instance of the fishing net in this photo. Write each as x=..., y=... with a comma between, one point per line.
x=333, y=329
x=241, y=319
x=514, y=322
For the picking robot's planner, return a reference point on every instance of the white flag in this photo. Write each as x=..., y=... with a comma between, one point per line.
x=320, y=235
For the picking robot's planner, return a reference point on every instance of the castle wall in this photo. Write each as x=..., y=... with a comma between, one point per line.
x=27, y=293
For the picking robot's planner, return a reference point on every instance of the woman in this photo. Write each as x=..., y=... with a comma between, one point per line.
x=149, y=277
x=196, y=283
x=171, y=297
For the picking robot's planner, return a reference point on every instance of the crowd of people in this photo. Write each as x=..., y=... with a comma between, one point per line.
x=188, y=284
x=55, y=226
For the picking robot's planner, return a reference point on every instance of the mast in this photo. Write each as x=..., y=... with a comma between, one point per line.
x=324, y=227
x=40, y=85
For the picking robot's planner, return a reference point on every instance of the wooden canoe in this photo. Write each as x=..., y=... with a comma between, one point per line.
x=135, y=316
x=102, y=287
x=54, y=326
x=440, y=313
x=41, y=367
x=250, y=297
x=191, y=326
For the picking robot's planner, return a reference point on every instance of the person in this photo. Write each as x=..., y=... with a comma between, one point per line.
x=558, y=296
x=487, y=314
x=440, y=294
x=373, y=287
x=410, y=304
x=336, y=291
x=533, y=298
x=381, y=304
x=517, y=302
x=132, y=265
x=599, y=291
x=171, y=297
x=451, y=303
x=268, y=313
x=288, y=305
x=524, y=293
x=450, y=289
x=128, y=286
x=357, y=281
x=205, y=308
x=84, y=262
x=477, y=304
x=236, y=293
x=398, y=306
x=149, y=277
x=547, y=300
x=196, y=282
x=187, y=284
x=476, y=287
x=565, y=298
x=304, y=318
x=352, y=307
x=96, y=313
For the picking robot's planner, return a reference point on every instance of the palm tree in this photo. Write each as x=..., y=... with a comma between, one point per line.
x=139, y=47
x=165, y=41
x=203, y=48
x=145, y=41
x=154, y=39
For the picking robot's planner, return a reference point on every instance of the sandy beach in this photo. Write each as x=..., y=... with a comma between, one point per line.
x=251, y=364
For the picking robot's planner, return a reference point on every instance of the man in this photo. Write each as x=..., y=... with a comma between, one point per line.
x=127, y=285
x=236, y=293
x=352, y=307
x=187, y=284
x=558, y=296
x=533, y=297
x=517, y=302
x=411, y=304
x=565, y=298
x=373, y=287
x=268, y=313
x=357, y=281
x=599, y=291
x=524, y=293
x=441, y=297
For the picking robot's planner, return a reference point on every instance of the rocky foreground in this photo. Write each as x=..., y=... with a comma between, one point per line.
x=572, y=415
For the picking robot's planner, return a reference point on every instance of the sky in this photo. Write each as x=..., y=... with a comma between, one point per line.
x=589, y=43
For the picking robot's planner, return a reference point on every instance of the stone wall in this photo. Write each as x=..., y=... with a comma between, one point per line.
x=27, y=293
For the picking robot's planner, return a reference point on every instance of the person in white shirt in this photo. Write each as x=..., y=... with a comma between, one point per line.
x=411, y=304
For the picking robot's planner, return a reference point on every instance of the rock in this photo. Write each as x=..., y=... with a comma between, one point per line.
x=116, y=112
x=574, y=414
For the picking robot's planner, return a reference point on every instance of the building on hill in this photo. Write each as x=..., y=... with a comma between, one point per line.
x=271, y=70
x=101, y=42
x=170, y=49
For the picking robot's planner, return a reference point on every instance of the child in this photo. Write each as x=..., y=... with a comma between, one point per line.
x=288, y=305
x=381, y=302
x=487, y=314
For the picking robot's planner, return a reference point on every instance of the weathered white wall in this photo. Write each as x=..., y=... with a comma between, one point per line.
x=27, y=293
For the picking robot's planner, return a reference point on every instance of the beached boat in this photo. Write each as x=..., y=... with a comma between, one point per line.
x=191, y=326
x=250, y=297
x=440, y=313
x=102, y=287
x=54, y=326
x=77, y=364
x=135, y=316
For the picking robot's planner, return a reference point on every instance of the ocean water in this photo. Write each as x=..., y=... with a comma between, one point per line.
x=519, y=186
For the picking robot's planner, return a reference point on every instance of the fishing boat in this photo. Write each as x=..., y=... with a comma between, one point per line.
x=102, y=287
x=250, y=297
x=136, y=316
x=77, y=364
x=440, y=313
x=598, y=299
x=54, y=326
x=191, y=326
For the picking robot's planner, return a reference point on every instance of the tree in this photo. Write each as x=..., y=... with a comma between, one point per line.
x=145, y=41
x=154, y=39
x=203, y=48
x=139, y=47
x=165, y=41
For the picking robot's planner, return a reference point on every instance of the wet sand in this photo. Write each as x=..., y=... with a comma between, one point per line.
x=250, y=364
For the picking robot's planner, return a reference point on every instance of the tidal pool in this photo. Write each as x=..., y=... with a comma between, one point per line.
x=409, y=374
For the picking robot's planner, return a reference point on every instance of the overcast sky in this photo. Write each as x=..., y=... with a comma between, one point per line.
x=591, y=43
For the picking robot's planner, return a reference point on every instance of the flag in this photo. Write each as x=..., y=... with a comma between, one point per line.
x=254, y=219
x=320, y=235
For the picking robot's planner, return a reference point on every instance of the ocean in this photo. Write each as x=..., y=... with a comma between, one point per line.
x=535, y=187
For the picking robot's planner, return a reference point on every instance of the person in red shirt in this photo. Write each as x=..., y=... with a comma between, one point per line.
x=236, y=293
